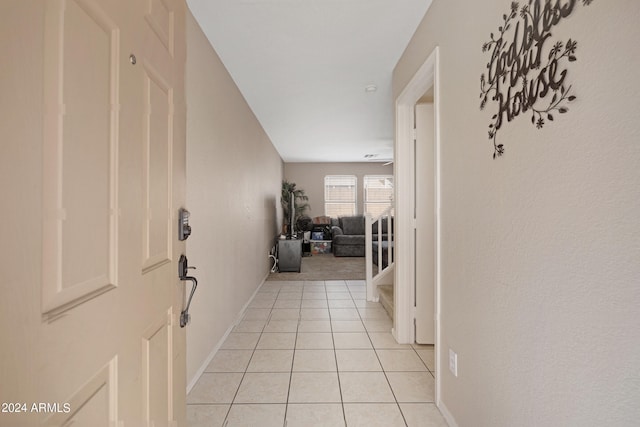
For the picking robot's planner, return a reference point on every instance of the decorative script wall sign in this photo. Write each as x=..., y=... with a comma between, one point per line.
x=525, y=73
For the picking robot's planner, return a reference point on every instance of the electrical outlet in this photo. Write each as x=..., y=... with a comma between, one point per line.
x=453, y=363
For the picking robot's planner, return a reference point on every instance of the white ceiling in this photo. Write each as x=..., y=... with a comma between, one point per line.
x=303, y=65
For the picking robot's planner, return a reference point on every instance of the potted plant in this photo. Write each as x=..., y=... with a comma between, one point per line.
x=299, y=202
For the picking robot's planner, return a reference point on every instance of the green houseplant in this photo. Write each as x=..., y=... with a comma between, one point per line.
x=300, y=204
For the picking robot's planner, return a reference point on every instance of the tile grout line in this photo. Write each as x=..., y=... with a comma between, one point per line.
x=422, y=361
x=335, y=356
x=295, y=341
x=384, y=372
x=226, y=418
x=332, y=331
x=241, y=380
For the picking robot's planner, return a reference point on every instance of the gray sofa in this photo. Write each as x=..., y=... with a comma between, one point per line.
x=348, y=235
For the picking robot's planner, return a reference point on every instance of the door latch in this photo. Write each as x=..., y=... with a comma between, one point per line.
x=183, y=268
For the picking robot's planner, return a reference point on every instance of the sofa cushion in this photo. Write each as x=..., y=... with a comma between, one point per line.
x=374, y=237
x=352, y=224
x=348, y=239
x=349, y=250
x=385, y=253
x=385, y=228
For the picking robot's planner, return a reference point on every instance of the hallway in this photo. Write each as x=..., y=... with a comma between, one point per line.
x=315, y=353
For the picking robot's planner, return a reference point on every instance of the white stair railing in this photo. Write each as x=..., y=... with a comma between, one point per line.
x=385, y=260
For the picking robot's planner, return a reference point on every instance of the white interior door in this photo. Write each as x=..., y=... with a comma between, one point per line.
x=425, y=238
x=100, y=322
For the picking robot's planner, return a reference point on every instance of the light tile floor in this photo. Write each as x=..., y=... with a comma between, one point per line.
x=315, y=354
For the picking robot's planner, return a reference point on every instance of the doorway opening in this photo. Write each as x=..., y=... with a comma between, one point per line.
x=418, y=232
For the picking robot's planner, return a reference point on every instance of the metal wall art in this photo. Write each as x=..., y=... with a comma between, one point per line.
x=527, y=71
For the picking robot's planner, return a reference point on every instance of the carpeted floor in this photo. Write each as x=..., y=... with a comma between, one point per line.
x=326, y=267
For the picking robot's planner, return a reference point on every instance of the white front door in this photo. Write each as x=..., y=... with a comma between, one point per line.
x=100, y=332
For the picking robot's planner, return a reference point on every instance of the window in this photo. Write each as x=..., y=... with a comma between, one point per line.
x=378, y=193
x=339, y=195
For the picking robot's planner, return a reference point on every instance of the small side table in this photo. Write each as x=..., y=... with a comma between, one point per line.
x=290, y=255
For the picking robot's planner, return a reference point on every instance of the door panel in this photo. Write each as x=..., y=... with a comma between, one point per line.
x=158, y=99
x=160, y=18
x=156, y=368
x=425, y=224
x=85, y=145
x=94, y=409
x=80, y=142
x=94, y=403
x=162, y=74
x=90, y=322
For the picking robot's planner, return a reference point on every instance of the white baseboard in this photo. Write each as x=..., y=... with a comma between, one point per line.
x=211, y=355
x=446, y=414
x=208, y=360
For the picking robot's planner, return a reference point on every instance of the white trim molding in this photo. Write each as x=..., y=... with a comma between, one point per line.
x=425, y=78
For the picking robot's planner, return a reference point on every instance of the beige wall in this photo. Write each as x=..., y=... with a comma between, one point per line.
x=310, y=177
x=540, y=255
x=233, y=183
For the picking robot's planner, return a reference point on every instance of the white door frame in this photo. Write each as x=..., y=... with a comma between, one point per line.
x=425, y=78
